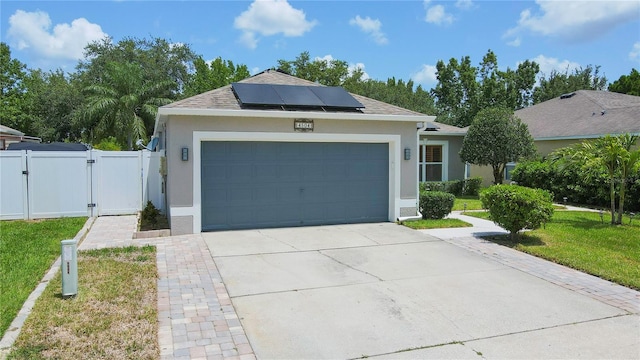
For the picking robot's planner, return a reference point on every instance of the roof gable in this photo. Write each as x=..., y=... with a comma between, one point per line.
x=585, y=114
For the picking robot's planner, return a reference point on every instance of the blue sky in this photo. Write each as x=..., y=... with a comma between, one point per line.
x=401, y=39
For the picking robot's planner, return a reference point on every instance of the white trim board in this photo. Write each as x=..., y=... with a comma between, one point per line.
x=395, y=152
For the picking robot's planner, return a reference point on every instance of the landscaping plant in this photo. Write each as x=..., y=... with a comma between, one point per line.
x=435, y=204
x=515, y=207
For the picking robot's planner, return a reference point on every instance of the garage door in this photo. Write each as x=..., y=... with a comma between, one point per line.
x=279, y=184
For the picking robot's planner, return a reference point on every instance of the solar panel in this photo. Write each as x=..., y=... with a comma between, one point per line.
x=335, y=96
x=297, y=95
x=294, y=96
x=256, y=94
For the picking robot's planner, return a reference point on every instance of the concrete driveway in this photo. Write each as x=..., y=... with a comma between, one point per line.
x=385, y=291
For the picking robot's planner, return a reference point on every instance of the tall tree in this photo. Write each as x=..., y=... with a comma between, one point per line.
x=627, y=84
x=124, y=103
x=326, y=72
x=52, y=98
x=159, y=60
x=12, y=92
x=558, y=83
x=496, y=137
x=395, y=92
x=463, y=90
x=212, y=75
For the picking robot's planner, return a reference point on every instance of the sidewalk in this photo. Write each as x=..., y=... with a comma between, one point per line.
x=589, y=285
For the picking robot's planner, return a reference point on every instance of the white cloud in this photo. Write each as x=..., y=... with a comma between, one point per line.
x=548, y=64
x=426, y=75
x=271, y=17
x=371, y=27
x=437, y=15
x=353, y=67
x=635, y=52
x=515, y=42
x=328, y=58
x=464, y=4
x=32, y=30
x=575, y=20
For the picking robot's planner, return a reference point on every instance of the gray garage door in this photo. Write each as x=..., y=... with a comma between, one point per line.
x=279, y=184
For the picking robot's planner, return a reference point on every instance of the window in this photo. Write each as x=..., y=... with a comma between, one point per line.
x=508, y=168
x=432, y=162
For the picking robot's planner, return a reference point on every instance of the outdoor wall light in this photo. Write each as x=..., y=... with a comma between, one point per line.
x=407, y=153
x=185, y=154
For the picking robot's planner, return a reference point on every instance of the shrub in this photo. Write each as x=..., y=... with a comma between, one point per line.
x=435, y=204
x=472, y=186
x=515, y=207
x=150, y=217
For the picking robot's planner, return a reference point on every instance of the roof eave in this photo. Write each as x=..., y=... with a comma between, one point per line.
x=165, y=112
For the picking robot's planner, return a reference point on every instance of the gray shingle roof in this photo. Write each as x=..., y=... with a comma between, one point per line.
x=223, y=98
x=444, y=129
x=587, y=113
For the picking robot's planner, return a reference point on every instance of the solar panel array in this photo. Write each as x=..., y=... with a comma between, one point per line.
x=294, y=96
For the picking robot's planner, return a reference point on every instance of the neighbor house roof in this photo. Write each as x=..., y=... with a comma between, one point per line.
x=436, y=128
x=583, y=114
x=223, y=102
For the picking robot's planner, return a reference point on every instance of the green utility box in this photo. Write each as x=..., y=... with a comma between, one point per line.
x=69, y=267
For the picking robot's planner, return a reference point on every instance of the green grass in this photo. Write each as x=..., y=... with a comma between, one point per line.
x=113, y=316
x=27, y=251
x=435, y=223
x=580, y=240
x=479, y=214
x=473, y=203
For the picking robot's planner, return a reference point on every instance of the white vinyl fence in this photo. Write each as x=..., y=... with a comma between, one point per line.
x=46, y=184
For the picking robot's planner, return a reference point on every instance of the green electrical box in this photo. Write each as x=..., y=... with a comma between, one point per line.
x=69, y=267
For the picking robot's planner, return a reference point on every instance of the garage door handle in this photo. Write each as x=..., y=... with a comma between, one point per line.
x=301, y=189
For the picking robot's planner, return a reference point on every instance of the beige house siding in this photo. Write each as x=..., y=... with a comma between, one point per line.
x=180, y=133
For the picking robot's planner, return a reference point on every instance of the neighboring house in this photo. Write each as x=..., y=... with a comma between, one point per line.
x=439, y=157
x=9, y=136
x=575, y=117
x=253, y=155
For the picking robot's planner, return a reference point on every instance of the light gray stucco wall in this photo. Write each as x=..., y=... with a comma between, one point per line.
x=180, y=134
x=455, y=164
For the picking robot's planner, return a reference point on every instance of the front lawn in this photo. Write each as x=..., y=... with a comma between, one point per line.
x=27, y=251
x=580, y=240
x=435, y=223
x=473, y=203
x=113, y=316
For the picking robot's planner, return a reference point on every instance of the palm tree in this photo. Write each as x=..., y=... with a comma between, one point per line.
x=611, y=154
x=124, y=104
x=629, y=162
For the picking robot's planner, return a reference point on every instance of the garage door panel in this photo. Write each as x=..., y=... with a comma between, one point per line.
x=271, y=184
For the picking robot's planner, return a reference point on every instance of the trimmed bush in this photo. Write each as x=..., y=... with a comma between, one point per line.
x=472, y=186
x=515, y=207
x=469, y=186
x=435, y=204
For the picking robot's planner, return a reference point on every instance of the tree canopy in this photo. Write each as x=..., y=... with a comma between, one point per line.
x=559, y=83
x=12, y=92
x=463, y=89
x=212, y=75
x=496, y=137
x=627, y=84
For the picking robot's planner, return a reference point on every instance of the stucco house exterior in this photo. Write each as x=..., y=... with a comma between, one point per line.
x=572, y=118
x=439, y=155
x=274, y=150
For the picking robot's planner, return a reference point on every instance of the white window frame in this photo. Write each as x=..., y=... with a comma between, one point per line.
x=445, y=158
x=509, y=164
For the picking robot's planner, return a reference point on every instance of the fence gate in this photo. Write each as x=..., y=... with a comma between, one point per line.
x=45, y=184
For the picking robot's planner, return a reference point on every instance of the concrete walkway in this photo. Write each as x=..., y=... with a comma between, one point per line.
x=589, y=285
